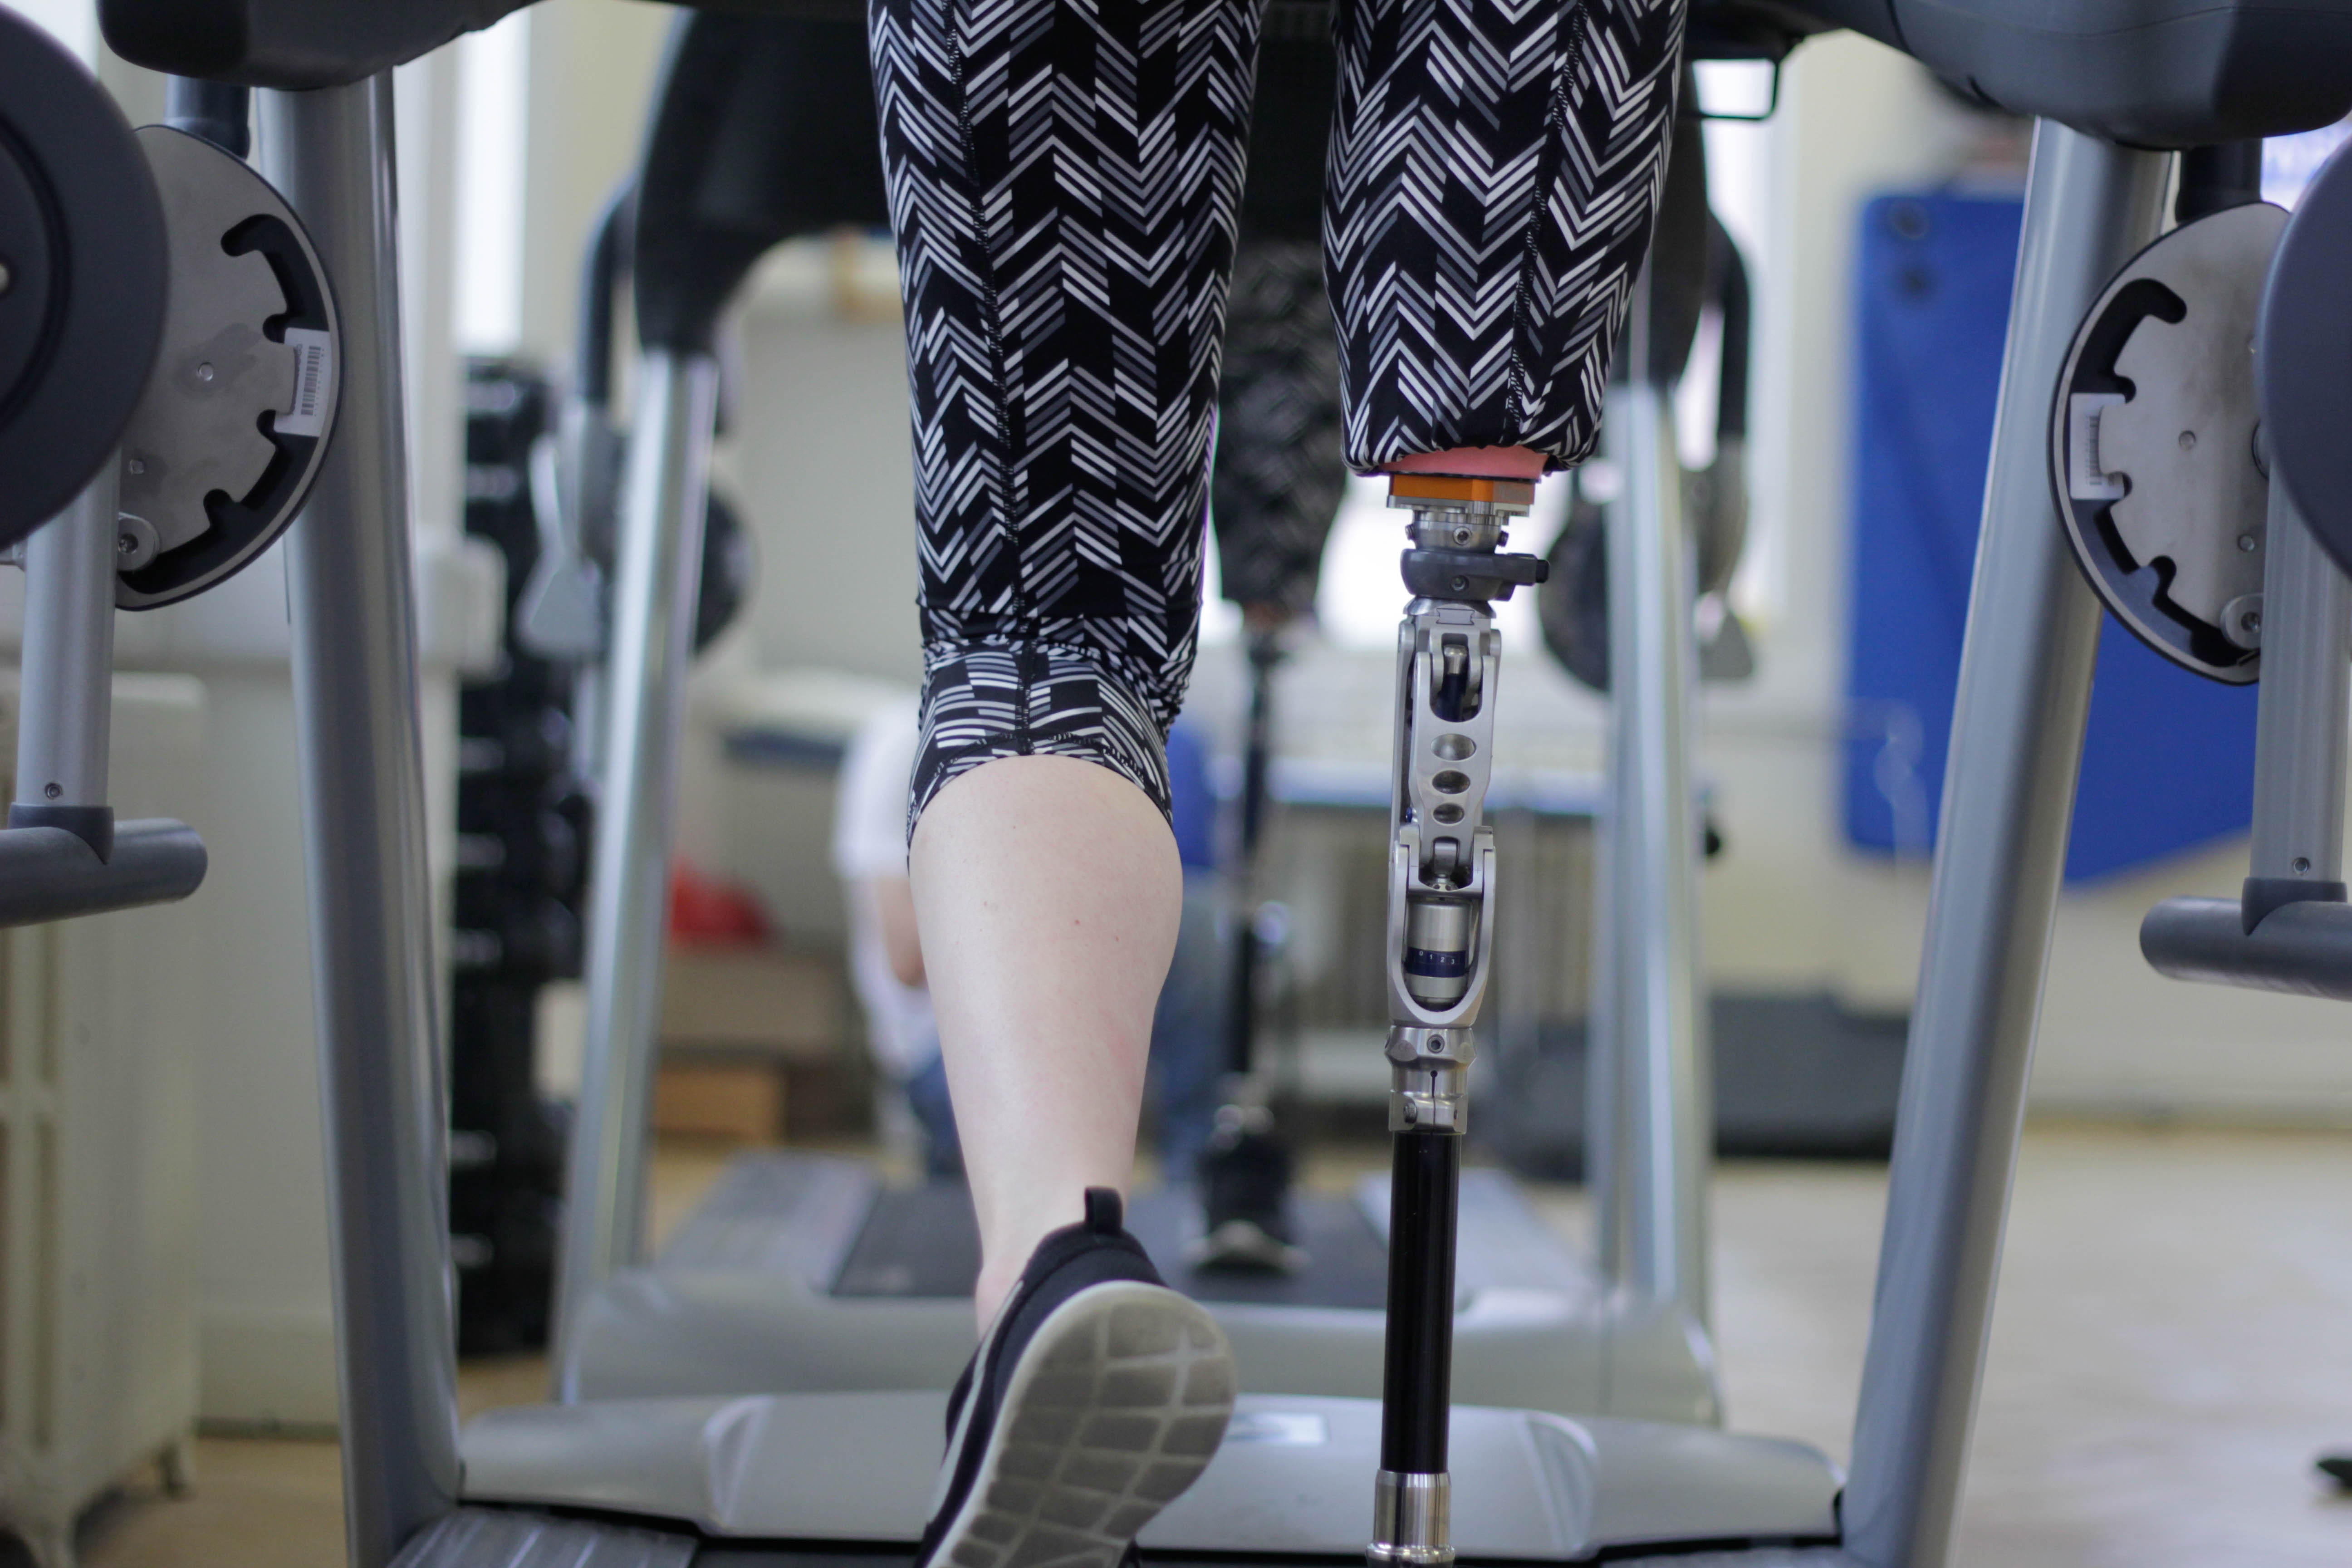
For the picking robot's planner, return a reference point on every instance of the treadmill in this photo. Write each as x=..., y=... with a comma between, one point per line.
x=804, y=1274
x=817, y=1479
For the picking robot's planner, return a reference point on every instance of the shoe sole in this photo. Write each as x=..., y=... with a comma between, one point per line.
x=1116, y=1408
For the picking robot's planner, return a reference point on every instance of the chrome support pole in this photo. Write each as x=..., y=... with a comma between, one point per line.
x=1663, y=1122
x=66, y=692
x=355, y=696
x=655, y=588
x=2008, y=794
x=2299, y=729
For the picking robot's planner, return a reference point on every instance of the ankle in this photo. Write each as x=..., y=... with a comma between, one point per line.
x=1474, y=462
x=1009, y=1241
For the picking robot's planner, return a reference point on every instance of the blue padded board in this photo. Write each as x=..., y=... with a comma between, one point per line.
x=2168, y=763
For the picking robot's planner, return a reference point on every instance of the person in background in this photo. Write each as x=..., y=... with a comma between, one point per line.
x=885, y=951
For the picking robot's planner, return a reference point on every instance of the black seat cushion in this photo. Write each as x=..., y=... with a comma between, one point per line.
x=2147, y=73
x=298, y=44
x=286, y=43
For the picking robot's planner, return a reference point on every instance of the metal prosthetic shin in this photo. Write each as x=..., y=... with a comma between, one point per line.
x=1440, y=932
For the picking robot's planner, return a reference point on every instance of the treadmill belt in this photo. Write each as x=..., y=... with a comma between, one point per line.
x=924, y=1242
x=917, y=1241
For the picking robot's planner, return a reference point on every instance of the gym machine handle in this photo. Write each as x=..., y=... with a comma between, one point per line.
x=2303, y=949
x=54, y=874
x=62, y=853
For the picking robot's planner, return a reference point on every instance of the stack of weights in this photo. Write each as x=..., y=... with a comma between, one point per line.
x=523, y=825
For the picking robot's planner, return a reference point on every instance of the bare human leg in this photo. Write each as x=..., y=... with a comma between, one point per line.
x=1048, y=893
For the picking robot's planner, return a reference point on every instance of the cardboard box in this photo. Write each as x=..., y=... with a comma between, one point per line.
x=769, y=1000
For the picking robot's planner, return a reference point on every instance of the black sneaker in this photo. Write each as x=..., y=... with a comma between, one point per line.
x=1094, y=1399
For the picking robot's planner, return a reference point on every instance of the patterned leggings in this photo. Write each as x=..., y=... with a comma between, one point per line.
x=1066, y=179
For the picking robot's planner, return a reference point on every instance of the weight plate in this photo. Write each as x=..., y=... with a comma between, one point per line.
x=82, y=241
x=234, y=423
x=1572, y=606
x=2303, y=358
x=2152, y=458
x=730, y=567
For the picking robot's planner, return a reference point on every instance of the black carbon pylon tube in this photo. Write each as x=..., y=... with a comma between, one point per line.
x=1241, y=1003
x=1417, y=1386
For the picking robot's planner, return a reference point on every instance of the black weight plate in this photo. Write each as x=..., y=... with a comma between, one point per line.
x=1574, y=606
x=2303, y=358
x=25, y=280
x=85, y=232
x=730, y=568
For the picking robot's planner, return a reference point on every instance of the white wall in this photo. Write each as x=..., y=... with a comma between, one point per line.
x=591, y=69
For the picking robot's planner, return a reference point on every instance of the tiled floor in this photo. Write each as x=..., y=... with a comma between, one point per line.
x=2173, y=1342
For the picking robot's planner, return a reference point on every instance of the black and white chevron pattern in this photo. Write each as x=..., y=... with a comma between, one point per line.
x=1279, y=470
x=1494, y=173
x=1062, y=180
x=1064, y=176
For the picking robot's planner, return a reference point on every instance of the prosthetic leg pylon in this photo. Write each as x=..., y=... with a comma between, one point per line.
x=1440, y=933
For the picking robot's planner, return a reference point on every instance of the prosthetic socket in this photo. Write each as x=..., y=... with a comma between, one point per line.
x=1440, y=932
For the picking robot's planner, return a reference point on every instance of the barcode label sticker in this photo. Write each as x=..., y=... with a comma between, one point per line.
x=2086, y=477
x=314, y=381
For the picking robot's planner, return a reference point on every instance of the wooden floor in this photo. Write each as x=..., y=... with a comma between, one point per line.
x=2173, y=1343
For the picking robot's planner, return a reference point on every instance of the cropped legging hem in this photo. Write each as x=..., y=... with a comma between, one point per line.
x=1000, y=697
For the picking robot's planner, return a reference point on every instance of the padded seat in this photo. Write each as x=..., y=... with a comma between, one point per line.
x=764, y=130
x=289, y=43
x=301, y=44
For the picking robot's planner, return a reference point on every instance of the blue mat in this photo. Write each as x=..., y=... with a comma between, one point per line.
x=2167, y=762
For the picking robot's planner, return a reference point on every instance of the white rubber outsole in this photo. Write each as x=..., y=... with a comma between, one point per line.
x=1115, y=1406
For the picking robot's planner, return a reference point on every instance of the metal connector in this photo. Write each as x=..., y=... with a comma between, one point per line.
x=1411, y=1521
x=1430, y=1080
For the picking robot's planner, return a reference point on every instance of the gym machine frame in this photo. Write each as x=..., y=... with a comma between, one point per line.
x=2017, y=740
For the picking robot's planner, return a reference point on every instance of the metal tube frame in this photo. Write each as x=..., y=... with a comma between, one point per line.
x=2008, y=792
x=1653, y=1190
x=352, y=599
x=655, y=586
x=2299, y=726
x=65, y=702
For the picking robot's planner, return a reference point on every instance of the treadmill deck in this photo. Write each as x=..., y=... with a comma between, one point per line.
x=1293, y=1478
x=802, y=1274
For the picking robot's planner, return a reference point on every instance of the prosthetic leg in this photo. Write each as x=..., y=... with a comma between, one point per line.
x=1246, y=1172
x=1440, y=904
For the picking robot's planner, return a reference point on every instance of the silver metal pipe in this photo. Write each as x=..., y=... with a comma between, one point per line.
x=2008, y=794
x=1664, y=1114
x=1604, y=1094
x=355, y=697
x=654, y=596
x=2299, y=727
x=63, y=717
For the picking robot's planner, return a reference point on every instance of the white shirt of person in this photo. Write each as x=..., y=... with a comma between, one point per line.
x=870, y=842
